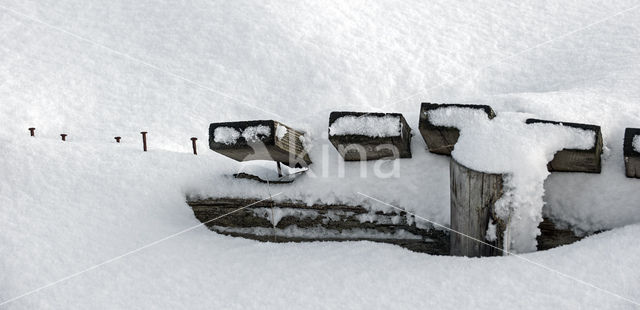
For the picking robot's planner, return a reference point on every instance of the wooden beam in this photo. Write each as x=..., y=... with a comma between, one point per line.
x=355, y=147
x=631, y=156
x=574, y=160
x=285, y=147
x=441, y=139
x=318, y=222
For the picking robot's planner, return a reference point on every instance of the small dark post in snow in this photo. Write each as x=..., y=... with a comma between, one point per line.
x=279, y=169
x=117, y=139
x=573, y=160
x=473, y=196
x=64, y=136
x=32, y=131
x=144, y=140
x=631, y=155
x=441, y=139
x=193, y=144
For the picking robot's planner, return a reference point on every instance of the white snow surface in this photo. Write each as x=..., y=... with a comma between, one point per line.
x=226, y=135
x=636, y=143
x=366, y=125
x=253, y=133
x=171, y=68
x=507, y=145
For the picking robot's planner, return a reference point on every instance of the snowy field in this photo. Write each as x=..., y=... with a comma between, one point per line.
x=91, y=224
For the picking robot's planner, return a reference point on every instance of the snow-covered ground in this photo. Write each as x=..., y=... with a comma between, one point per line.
x=98, y=69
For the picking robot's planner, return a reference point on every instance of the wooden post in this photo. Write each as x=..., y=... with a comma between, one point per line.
x=631, y=156
x=473, y=196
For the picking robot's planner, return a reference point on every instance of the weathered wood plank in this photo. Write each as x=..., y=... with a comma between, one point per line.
x=361, y=147
x=286, y=148
x=574, y=160
x=441, y=139
x=318, y=222
x=473, y=195
x=631, y=156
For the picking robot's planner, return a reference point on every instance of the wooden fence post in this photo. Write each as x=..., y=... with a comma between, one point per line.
x=473, y=196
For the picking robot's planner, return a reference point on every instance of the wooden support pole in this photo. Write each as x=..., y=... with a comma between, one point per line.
x=473, y=196
x=32, y=132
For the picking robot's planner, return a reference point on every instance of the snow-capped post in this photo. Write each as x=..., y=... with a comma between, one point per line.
x=473, y=219
x=441, y=139
x=360, y=136
x=193, y=144
x=32, y=131
x=144, y=140
x=117, y=139
x=63, y=136
x=576, y=160
x=259, y=140
x=632, y=152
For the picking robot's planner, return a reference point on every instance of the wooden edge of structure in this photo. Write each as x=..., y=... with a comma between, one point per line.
x=631, y=156
x=288, y=149
x=442, y=139
x=354, y=147
x=576, y=160
x=334, y=222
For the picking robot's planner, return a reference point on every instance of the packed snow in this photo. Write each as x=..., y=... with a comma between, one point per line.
x=226, y=135
x=636, y=143
x=507, y=145
x=367, y=125
x=281, y=131
x=256, y=133
x=99, y=69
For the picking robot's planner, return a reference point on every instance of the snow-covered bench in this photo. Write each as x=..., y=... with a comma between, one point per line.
x=370, y=136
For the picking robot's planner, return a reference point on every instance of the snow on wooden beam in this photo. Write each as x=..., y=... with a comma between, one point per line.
x=574, y=160
x=473, y=196
x=370, y=136
x=632, y=152
x=259, y=140
x=441, y=139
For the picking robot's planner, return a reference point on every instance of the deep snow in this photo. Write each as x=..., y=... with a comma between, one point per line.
x=68, y=206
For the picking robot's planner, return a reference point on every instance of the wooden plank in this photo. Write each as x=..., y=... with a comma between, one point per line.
x=574, y=160
x=328, y=223
x=441, y=139
x=287, y=149
x=631, y=156
x=361, y=147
